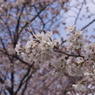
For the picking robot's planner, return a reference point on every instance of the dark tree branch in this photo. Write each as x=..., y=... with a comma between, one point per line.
x=9, y=31
x=12, y=81
x=17, y=27
x=15, y=56
x=78, y=14
x=88, y=24
x=24, y=77
x=27, y=23
x=62, y=52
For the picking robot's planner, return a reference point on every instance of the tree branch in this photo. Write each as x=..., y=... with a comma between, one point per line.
x=88, y=24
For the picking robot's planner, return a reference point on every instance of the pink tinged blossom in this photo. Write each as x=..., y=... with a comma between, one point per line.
x=71, y=28
x=79, y=60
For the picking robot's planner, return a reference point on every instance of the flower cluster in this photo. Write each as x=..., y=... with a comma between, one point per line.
x=38, y=48
x=75, y=39
x=90, y=51
x=76, y=57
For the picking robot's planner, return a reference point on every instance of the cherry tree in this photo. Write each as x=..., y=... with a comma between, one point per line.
x=33, y=61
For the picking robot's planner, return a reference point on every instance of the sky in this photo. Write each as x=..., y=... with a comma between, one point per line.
x=69, y=16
